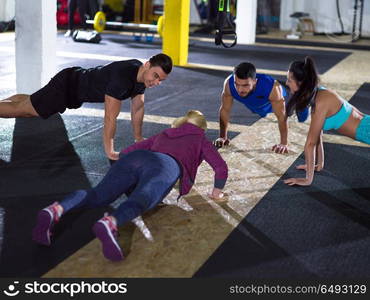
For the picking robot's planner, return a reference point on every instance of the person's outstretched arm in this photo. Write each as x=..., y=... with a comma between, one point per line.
x=112, y=107
x=313, y=139
x=278, y=106
x=219, y=166
x=319, y=156
x=224, y=115
x=137, y=116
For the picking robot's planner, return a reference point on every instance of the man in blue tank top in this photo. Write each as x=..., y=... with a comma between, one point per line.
x=261, y=94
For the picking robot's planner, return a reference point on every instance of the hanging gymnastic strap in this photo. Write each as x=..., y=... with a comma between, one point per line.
x=224, y=26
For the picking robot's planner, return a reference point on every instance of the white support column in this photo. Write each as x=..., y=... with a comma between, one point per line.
x=35, y=43
x=246, y=19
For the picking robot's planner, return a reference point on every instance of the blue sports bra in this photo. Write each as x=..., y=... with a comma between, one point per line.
x=340, y=117
x=337, y=120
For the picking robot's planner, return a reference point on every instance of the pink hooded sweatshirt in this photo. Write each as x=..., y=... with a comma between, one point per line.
x=189, y=146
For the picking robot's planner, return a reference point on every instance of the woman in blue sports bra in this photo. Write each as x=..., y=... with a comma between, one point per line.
x=328, y=111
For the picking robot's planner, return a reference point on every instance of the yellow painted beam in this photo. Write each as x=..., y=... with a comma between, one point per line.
x=137, y=17
x=176, y=30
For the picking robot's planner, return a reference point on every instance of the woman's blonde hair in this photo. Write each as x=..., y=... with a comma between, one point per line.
x=194, y=117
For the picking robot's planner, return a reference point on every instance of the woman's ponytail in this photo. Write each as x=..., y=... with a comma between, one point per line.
x=305, y=73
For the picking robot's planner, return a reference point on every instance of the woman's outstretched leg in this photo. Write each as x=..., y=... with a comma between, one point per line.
x=50, y=215
x=117, y=181
x=156, y=180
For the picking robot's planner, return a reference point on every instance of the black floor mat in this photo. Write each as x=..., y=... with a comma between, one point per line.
x=43, y=168
x=349, y=45
x=362, y=98
x=270, y=58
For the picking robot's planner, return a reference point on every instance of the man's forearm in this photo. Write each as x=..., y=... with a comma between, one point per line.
x=108, y=135
x=224, y=123
x=137, y=117
x=283, y=128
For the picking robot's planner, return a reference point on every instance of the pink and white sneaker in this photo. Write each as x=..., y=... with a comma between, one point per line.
x=106, y=231
x=46, y=218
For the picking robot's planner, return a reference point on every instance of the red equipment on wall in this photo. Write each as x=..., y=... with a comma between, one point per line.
x=62, y=13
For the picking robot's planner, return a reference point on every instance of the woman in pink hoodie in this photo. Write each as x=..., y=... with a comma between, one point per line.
x=147, y=170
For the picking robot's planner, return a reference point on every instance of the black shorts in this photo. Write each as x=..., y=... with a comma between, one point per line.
x=59, y=94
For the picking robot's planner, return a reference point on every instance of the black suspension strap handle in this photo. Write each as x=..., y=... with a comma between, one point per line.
x=224, y=25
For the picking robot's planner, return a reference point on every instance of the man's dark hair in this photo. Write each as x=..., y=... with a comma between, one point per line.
x=245, y=70
x=161, y=60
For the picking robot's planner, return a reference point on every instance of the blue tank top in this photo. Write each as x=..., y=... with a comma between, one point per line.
x=257, y=100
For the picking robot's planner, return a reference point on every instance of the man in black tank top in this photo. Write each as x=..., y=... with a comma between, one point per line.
x=110, y=84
